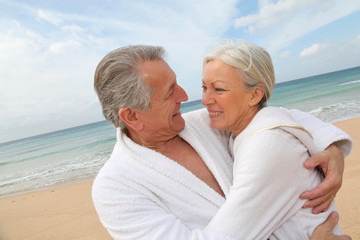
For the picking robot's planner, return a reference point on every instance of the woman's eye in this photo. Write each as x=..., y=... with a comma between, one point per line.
x=203, y=87
x=219, y=89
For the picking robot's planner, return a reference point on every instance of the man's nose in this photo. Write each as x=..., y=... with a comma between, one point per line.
x=181, y=95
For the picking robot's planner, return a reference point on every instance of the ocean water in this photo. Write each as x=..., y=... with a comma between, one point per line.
x=78, y=153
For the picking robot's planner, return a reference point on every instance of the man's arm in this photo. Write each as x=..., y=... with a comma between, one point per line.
x=331, y=161
x=335, y=144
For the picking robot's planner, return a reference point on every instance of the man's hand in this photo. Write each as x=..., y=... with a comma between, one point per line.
x=331, y=161
x=323, y=231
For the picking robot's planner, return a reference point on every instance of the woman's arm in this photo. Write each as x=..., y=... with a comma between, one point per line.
x=324, y=134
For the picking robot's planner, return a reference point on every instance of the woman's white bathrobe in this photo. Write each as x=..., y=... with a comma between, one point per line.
x=269, y=177
x=141, y=194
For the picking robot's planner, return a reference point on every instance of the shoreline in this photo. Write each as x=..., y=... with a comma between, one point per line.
x=44, y=188
x=65, y=210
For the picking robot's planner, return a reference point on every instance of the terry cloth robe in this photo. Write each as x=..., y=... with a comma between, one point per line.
x=269, y=177
x=141, y=194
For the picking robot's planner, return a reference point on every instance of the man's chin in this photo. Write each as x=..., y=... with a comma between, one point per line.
x=180, y=123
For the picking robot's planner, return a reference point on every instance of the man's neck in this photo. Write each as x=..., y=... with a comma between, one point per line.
x=161, y=145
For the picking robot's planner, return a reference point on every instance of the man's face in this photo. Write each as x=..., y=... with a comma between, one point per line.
x=163, y=121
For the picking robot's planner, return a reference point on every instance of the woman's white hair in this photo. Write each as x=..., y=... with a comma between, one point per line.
x=253, y=62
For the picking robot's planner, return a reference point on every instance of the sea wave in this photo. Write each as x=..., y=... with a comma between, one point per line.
x=77, y=168
x=351, y=82
x=338, y=112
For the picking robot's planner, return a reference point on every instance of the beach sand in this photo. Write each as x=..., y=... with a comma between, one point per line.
x=347, y=199
x=64, y=212
x=67, y=212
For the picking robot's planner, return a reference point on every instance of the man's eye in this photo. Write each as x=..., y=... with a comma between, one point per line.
x=219, y=89
x=170, y=95
x=203, y=87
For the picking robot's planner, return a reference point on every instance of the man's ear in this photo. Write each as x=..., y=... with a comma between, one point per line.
x=256, y=95
x=131, y=118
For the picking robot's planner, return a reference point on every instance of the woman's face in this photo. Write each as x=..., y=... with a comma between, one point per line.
x=229, y=103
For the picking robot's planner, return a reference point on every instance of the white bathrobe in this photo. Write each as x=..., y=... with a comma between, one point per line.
x=141, y=194
x=269, y=177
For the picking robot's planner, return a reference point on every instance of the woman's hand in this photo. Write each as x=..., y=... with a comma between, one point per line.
x=323, y=231
x=331, y=161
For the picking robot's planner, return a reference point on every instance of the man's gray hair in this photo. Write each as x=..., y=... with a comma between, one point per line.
x=119, y=83
x=253, y=62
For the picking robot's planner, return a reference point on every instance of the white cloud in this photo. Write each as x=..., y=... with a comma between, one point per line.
x=321, y=58
x=38, y=75
x=285, y=54
x=277, y=25
x=272, y=13
x=335, y=56
x=63, y=47
x=49, y=16
x=315, y=48
x=73, y=28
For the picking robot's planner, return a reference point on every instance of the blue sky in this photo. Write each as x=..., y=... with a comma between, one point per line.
x=49, y=49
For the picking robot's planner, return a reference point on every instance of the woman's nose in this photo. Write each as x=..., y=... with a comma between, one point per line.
x=206, y=98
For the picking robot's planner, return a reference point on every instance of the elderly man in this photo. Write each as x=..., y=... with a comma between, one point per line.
x=168, y=175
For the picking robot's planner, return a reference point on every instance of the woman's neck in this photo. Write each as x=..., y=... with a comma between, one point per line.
x=245, y=121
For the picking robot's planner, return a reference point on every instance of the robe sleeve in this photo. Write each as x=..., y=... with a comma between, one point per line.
x=324, y=134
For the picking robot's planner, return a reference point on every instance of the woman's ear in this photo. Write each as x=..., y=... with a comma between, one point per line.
x=256, y=95
x=131, y=118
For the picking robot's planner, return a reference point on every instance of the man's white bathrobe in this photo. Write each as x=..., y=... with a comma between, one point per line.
x=141, y=194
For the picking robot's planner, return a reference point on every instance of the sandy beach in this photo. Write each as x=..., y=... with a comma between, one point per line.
x=67, y=212
x=347, y=199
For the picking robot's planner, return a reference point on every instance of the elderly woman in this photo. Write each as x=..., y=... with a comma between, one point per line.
x=268, y=147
